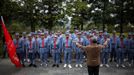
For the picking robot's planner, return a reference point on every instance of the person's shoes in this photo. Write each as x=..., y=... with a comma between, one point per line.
x=69, y=66
x=125, y=60
x=110, y=60
x=107, y=66
x=46, y=65
x=34, y=65
x=101, y=65
x=76, y=65
x=123, y=66
x=65, y=65
x=30, y=65
x=28, y=60
x=129, y=65
x=53, y=65
x=60, y=61
x=23, y=65
x=41, y=64
x=80, y=65
x=38, y=60
x=117, y=65
x=57, y=65
x=25, y=60
x=114, y=60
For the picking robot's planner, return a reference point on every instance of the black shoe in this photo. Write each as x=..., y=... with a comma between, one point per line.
x=48, y=61
x=110, y=61
x=34, y=65
x=23, y=65
x=30, y=65
x=3, y=57
x=60, y=61
x=53, y=65
x=57, y=65
x=114, y=60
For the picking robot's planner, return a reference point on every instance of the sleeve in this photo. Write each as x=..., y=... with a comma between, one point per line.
x=34, y=44
x=27, y=45
x=63, y=43
x=71, y=43
x=58, y=44
x=110, y=46
x=118, y=43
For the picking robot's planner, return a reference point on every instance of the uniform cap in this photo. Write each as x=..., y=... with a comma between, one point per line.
x=29, y=35
x=16, y=33
x=24, y=33
x=79, y=33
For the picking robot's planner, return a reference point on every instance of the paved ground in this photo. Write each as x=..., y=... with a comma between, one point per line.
x=6, y=68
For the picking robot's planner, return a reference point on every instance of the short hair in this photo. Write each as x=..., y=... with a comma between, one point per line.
x=94, y=39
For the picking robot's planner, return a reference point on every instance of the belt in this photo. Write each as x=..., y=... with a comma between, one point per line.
x=42, y=47
x=54, y=48
x=29, y=49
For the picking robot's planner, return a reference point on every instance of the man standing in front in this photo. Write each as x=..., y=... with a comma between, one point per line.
x=43, y=45
x=19, y=50
x=31, y=47
x=113, y=41
x=78, y=51
x=67, y=50
x=93, y=55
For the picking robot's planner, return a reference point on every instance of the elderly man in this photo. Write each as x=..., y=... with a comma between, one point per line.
x=93, y=55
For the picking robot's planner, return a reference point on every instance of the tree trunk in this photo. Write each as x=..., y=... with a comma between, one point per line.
x=50, y=20
x=32, y=26
x=104, y=16
x=121, y=18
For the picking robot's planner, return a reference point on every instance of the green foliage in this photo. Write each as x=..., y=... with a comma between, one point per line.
x=47, y=13
x=18, y=27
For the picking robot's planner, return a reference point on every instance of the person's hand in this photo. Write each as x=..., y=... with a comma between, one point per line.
x=77, y=44
x=108, y=39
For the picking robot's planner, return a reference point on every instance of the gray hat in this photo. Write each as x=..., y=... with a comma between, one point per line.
x=67, y=32
x=24, y=33
x=100, y=31
x=41, y=33
x=16, y=34
x=114, y=31
x=79, y=33
x=129, y=33
x=76, y=30
x=45, y=32
x=29, y=35
x=55, y=36
x=87, y=33
x=105, y=33
x=91, y=34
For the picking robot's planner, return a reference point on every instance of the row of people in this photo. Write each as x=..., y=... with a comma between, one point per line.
x=42, y=44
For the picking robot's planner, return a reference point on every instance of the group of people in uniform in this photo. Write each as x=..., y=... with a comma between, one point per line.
x=61, y=46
